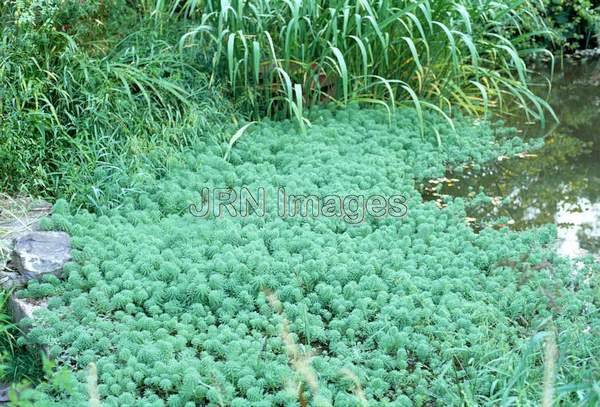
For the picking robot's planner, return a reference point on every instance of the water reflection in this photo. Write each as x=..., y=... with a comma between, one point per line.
x=580, y=228
x=561, y=183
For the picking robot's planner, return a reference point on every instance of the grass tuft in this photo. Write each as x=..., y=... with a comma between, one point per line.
x=441, y=55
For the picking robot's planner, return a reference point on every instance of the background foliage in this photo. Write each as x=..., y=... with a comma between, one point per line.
x=577, y=22
x=280, y=56
x=87, y=96
x=91, y=89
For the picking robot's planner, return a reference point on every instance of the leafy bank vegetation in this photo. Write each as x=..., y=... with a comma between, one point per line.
x=92, y=88
x=89, y=91
x=576, y=22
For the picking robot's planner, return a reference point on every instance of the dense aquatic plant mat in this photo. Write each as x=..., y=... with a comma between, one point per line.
x=262, y=310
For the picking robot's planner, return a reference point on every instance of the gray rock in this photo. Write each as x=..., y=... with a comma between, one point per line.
x=18, y=216
x=38, y=253
x=4, y=392
x=24, y=307
x=10, y=280
x=5, y=250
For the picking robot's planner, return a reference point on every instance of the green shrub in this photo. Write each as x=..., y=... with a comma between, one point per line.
x=577, y=22
x=40, y=15
x=265, y=310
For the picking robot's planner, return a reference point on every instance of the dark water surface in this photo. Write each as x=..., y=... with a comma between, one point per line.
x=559, y=183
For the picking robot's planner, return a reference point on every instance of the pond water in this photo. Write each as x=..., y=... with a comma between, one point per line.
x=559, y=183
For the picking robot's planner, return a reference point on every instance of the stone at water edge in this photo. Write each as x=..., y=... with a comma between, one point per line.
x=38, y=253
x=4, y=391
x=24, y=307
x=10, y=280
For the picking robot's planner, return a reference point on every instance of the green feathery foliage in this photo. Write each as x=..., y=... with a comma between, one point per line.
x=262, y=310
